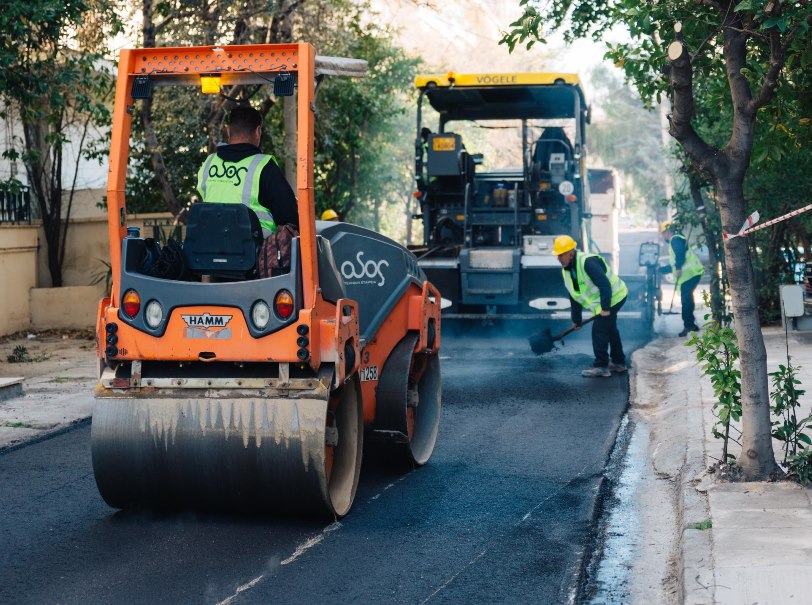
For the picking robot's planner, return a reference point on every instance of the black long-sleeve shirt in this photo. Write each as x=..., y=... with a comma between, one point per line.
x=680, y=248
x=274, y=192
x=595, y=268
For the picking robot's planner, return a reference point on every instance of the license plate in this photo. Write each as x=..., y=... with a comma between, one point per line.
x=369, y=373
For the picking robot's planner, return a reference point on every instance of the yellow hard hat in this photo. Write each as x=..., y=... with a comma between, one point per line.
x=562, y=244
x=329, y=215
x=666, y=226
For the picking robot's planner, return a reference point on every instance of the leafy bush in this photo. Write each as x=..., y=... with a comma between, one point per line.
x=787, y=427
x=717, y=351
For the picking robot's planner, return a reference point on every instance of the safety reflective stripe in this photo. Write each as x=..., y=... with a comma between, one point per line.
x=692, y=265
x=588, y=294
x=249, y=178
x=247, y=190
x=205, y=175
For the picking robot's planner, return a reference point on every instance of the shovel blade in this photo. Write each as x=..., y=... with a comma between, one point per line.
x=542, y=342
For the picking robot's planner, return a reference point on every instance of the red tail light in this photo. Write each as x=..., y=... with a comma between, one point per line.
x=283, y=304
x=131, y=303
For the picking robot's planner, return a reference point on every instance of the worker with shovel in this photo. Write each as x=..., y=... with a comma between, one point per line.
x=687, y=269
x=593, y=286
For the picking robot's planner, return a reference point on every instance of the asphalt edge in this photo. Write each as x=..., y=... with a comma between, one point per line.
x=45, y=435
x=695, y=563
x=586, y=587
x=589, y=558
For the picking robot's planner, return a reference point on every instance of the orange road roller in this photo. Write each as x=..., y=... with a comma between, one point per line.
x=220, y=389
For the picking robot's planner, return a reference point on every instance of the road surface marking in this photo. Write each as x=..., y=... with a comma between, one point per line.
x=298, y=552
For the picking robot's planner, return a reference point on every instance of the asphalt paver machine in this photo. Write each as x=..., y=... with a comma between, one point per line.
x=500, y=174
x=227, y=391
x=500, y=168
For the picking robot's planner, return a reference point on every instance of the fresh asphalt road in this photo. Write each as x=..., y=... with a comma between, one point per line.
x=501, y=514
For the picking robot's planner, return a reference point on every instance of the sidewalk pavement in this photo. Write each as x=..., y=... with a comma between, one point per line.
x=758, y=548
x=57, y=388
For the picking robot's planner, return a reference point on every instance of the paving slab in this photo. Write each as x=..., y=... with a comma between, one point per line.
x=781, y=586
x=758, y=496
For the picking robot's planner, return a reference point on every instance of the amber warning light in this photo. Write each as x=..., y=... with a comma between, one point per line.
x=210, y=85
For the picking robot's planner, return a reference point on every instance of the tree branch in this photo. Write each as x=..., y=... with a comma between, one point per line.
x=682, y=108
x=778, y=56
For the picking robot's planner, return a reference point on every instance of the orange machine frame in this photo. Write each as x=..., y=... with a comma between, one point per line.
x=234, y=65
x=331, y=326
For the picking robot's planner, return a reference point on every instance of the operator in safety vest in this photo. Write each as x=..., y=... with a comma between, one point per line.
x=593, y=286
x=687, y=269
x=239, y=173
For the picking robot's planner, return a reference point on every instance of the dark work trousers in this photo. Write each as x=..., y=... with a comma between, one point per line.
x=606, y=339
x=686, y=292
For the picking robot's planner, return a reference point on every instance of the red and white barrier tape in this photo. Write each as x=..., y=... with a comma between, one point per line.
x=753, y=219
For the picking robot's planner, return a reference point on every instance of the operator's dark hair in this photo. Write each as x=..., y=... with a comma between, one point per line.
x=243, y=121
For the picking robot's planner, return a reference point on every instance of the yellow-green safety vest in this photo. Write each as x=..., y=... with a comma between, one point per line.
x=692, y=265
x=224, y=182
x=588, y=294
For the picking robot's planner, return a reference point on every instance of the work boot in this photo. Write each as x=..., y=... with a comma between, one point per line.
x=617, y=368
x=688, y=330
x=596, y=372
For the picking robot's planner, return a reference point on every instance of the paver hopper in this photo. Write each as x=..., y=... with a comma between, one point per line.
x=257, y=393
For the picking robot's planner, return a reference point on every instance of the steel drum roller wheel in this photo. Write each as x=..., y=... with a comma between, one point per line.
x=343, y=454
x=263, y=455
x=407, y=415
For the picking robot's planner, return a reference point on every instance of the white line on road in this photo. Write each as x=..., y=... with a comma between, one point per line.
x=298, y=552
x=380, y=493
x=452, y=578
x=240, y=589
x=310, y=543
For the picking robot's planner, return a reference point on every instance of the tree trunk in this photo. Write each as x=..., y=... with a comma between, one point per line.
x=757, y=459
x=157, y=159
x=727, y=168
x=48, y=192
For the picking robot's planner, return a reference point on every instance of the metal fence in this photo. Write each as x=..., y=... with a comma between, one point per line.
x=163, y=229
x=15, y=206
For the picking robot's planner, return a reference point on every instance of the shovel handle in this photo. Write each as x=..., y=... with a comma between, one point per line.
x=572, y=329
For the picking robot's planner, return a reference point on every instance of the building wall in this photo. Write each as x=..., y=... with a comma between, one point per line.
x=18, y=274
x=26, y=299
x=70, y=307
x=87, y=249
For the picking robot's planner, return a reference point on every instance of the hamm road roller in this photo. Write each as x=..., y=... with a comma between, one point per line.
x=223, y=389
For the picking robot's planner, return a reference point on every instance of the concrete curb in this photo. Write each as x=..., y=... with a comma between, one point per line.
x=698, y=582
x=665, y=382
x=10, y=388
